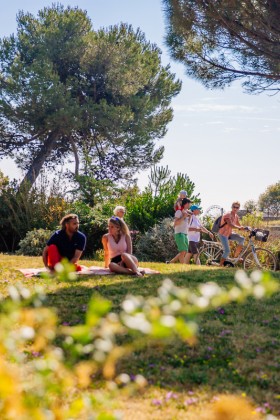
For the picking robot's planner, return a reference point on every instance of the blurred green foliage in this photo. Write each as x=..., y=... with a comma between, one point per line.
x=58, y=364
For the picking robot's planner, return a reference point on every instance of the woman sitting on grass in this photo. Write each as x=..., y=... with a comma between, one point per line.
x=118, y=249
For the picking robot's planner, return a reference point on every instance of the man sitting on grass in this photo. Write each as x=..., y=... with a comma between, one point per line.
x=68, y=242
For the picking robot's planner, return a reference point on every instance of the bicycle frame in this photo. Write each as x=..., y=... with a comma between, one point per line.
x=211, y=252
x=211, y=249
x=209, y=244
x=250, y=246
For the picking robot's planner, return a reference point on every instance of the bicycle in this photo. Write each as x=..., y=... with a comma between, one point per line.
x=210, y=251
x=253, y=257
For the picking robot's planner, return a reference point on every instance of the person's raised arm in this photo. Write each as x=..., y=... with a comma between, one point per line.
x=228, y=221
x=106, y=251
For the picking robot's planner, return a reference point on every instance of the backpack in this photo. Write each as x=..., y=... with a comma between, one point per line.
x=216, y=225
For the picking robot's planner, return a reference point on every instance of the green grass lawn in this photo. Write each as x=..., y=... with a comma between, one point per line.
x=237, y=352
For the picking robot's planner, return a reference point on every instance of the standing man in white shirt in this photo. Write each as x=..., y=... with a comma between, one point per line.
x=194, y=228
x=181, y=231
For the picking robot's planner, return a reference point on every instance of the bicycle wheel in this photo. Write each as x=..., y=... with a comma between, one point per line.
x=261, y=259
x=210, y=252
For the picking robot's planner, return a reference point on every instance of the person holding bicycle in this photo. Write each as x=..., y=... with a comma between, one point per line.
x=229, y=222
x=195, y=227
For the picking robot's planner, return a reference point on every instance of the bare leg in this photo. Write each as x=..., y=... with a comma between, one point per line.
x=222, y=260
x=196, y=259
x=188, y=257
x=175, y=259
x=131, y=262
x=136, y=262
x=238, y=249
x=182, y=257
x=116, y=268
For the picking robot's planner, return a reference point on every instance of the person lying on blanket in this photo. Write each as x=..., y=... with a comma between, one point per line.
x=118, y=249
x=68, y=242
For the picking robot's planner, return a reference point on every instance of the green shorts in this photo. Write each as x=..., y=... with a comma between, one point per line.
x=182, y=241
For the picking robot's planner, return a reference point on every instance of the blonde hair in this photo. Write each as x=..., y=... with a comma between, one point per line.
x=67, y=219
x=235, y=203
x=117, y=209
x=117, y=221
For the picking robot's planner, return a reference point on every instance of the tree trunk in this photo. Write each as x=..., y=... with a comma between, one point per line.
x=38, y=162
x=76, y=156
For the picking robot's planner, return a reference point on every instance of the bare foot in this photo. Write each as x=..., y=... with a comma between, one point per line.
x=138, y=274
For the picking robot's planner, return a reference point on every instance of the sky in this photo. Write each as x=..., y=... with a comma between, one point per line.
x=226, y=141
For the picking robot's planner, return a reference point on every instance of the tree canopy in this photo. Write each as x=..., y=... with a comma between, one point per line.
x=225, y=40
x=67, y=92
x=250, y=206
x=269, y=201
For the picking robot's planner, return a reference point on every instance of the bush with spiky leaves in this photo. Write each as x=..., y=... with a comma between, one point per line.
x=158, y=243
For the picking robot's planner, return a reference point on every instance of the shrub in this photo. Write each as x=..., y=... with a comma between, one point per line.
x=254, y=220
x=99, y=255
x=135, y=235
x=156, y=202
x=34, y=242
x=23, y=209
x=158, y=243
x=273, y=245
x=207, y=221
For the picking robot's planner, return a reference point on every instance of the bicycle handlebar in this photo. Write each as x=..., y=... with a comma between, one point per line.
x=248, y=228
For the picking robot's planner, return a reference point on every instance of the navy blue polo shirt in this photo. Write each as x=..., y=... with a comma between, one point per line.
x=66, y=246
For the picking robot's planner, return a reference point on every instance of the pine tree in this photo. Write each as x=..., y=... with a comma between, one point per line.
x=225, y=40
x=67, y=92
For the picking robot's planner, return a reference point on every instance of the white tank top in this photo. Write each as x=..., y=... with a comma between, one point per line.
x=116, y=248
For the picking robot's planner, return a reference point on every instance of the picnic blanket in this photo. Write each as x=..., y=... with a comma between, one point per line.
x=93, y=270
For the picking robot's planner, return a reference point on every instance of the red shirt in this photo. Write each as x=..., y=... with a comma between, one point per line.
x=227, y=229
